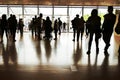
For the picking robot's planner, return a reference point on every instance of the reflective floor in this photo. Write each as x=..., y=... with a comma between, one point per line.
x=63, y=59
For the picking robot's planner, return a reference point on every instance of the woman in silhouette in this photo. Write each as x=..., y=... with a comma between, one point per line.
x=93, y=27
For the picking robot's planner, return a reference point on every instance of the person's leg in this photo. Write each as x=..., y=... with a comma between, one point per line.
x=74, y=34
x=97, y=43
x=2, y=33
x=90, y=42
x=78, y=34
x=107, y=38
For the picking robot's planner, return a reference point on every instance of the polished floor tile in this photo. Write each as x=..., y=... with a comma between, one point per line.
x=63, y=59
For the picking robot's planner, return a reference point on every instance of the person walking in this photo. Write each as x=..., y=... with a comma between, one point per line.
x=93, y=27
x=107, y=28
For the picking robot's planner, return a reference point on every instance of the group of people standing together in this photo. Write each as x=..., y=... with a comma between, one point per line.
x=38, y=25
x=9, y=26
x=93, y=26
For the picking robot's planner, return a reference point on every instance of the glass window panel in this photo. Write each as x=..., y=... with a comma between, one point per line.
x=30, y=10
x=72, y=12
x=60, y=11
x=16, y=10
x=101, y=12
x=29, y=13
x=87, y=11
x=3, y=10
x=46, y=12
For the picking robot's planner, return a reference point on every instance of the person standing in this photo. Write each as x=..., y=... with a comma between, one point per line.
x=59, y=25
x=107, y=28
x=20, y=26
x=76, y=23
x=14, y=25
x=55, y=29
x=4, y=26
x=80, y=29
x=93, y=27
x=39, y=25
x=48, y=28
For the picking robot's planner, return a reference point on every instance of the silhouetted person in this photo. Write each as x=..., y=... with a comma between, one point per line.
x=55, y=29
x=64, y=26
x=48, y=28
x=80, y=29
x=4, y=26
x=76, y=27
x=40, y=24
x=31, y=26
x=20, y=26
x=35, y=25
x=107, y=28
x=59, y=25
x=93, y=27
x=12, y=22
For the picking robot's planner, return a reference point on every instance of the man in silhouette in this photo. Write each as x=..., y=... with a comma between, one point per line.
x=107, y=28
x=76, y=23
x=39, y=25
x=59, y=25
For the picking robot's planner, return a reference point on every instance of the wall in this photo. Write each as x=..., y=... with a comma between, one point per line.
x=63, y=2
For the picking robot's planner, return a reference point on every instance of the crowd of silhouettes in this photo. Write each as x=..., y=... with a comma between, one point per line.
x=38, y=25
x=78, y=27
x=93, y=26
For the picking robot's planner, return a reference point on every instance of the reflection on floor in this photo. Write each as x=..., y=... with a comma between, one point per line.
x=31, y=59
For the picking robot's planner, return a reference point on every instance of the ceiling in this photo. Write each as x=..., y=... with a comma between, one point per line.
x=62, y=2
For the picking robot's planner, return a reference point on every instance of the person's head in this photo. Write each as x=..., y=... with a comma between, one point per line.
x=35, y=16
x=59, y=18
x=41, y=15
x=14, y=16
x=10, y=15
x=77, y=15
x=110, y=9
x=82, y=17
x=4, y=16
x=47, y=18
x=94, y=12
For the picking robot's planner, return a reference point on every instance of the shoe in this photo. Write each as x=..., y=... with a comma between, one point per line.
x=88, y=52
x=73, y=40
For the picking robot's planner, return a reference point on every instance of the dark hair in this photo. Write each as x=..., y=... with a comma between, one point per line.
x=94, y=12
x=110, y=9
x=77, y=15
x=41, y=15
